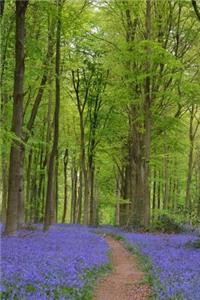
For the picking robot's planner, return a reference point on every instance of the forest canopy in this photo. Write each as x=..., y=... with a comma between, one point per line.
x=100, y=112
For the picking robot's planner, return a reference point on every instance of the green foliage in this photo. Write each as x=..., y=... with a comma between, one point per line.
x=94, y=42
x=194, y=245
x=165, y=224
x=91, y=278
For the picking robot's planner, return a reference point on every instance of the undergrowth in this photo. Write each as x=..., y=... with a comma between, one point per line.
x=92, y=277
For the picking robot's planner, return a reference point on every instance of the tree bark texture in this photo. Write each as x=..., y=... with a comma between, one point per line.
x=50, y=201
x=15, y=174
x=65, y=163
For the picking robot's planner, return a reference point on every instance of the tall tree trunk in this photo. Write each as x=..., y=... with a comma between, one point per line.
x=2, y=4
x=94, y=108
x=159, y=191
x=4, y=159
x=147, y=120
x=74, y=193
x=32, y=188
x=139, y=195
x=42, y=212
x=28, y=184
x=92, y=198
x=56, y=187
x=196, y=9
x=76, y=80
x=74, y=207
x=80, y=197
x=4, y=191
x=154, y=192
x=85, y=174
x=48, y=141
x=198, y=184
x=117, y=209
x=123, y=194
x=190, y=160
x=25, y=135
x=91, y=175
x=50, y=205
x=21, y=204
x=41, y=180
x=14, y=184
x=166, y=180
x=140, y=136
x=32, y=118
x=65, y=162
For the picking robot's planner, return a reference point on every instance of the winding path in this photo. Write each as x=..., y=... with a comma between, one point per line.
x=125, y=282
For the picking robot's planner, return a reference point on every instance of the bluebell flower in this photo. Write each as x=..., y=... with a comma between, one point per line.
x=40, y=264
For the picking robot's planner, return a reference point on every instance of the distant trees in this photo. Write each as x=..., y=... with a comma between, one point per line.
x=89, y=83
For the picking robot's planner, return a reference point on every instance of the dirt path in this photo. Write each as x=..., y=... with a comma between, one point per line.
x=124, y=283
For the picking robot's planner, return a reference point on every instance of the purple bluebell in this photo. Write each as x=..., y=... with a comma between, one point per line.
x=40, y=265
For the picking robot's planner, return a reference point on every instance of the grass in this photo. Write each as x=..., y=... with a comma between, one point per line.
x=92, y=277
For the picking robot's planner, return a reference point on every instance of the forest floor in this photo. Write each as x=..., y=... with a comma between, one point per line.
x=126, y=281
x=67, y=261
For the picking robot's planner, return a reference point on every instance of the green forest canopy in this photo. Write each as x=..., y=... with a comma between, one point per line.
x=106, y=100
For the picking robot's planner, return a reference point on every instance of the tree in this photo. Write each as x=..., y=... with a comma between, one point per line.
x=65, y=162
x=194, y=3
x=193, y=129
x=2, y=3
x=50, y=198
x=14, y=185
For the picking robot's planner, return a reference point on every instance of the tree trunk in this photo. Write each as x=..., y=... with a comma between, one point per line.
x=21, y=204
x=91, y=174
x=4, y=191
x=198, y=185
x=56, y=187
x=80, y=197
x=92, y=198
x=4, y=159
x=2, y=4
x=190, y=161
x=159, y=191
x=65, y=162
x=147, y=120
x=154, y=192
x=117, y=209
x=85, y=174
x=74, y=193
x=74, y=208
x=14, y=184
x=166, y=180
x=196, y=9
x=28, y=184
x=140, y=135
x=124, y=195
x=33, y=115
x=50, y=201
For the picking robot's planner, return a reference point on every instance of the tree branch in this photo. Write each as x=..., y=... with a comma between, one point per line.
x=194, y=4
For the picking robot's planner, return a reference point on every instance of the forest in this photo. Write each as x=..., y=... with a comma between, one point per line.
x=100, y=146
